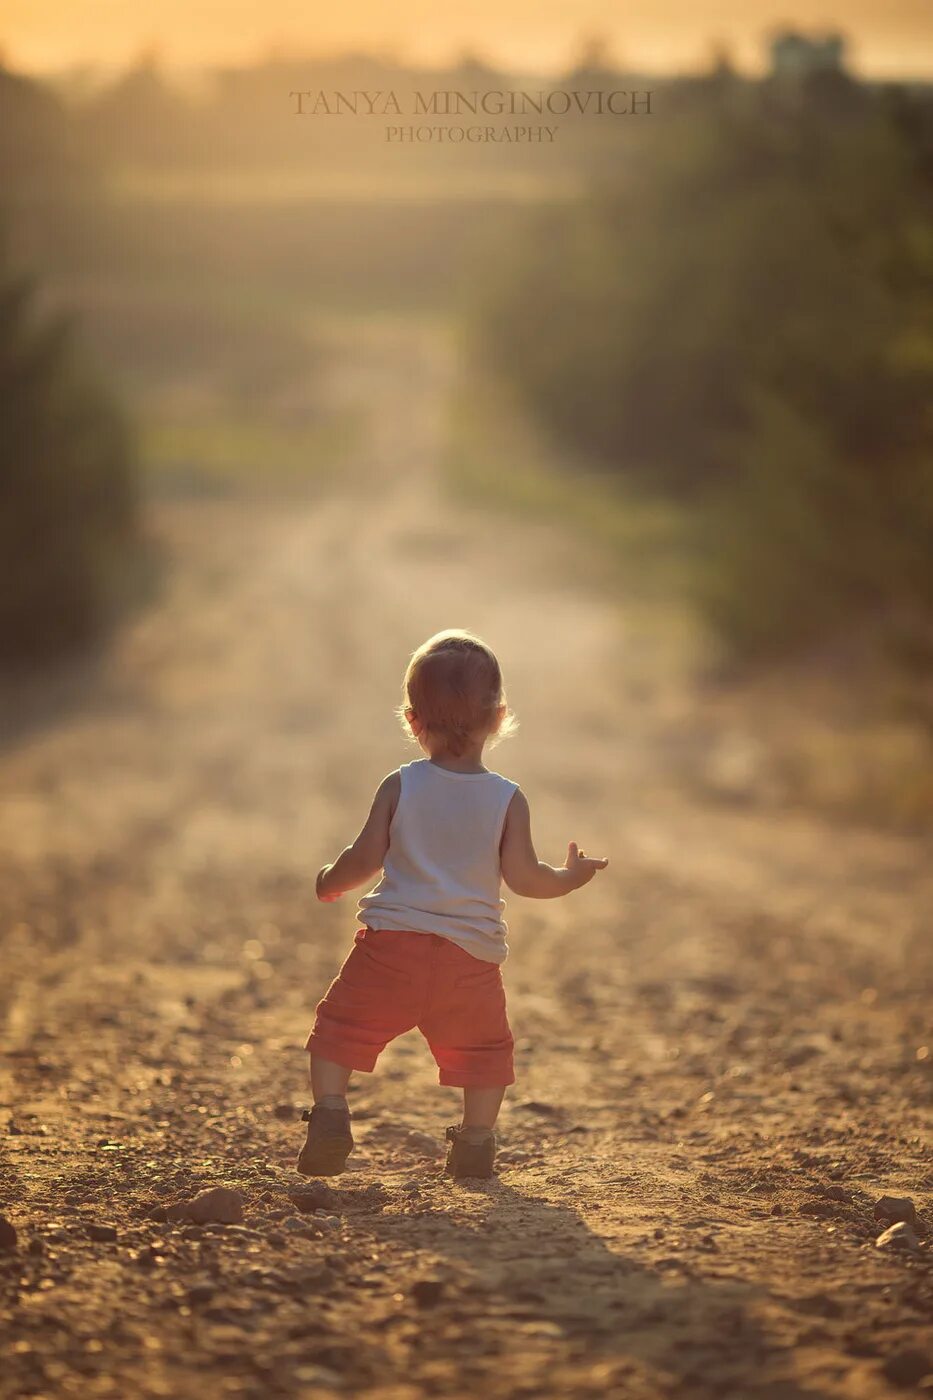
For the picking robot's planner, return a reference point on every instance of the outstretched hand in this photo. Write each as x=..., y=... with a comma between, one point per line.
x=582, y=867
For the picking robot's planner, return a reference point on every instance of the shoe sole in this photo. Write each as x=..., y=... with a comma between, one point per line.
x=326, y=1159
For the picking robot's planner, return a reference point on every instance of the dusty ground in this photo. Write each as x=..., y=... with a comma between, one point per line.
x=719, y=1043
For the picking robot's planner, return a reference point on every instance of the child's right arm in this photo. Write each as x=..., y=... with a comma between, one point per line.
x=524, y=873
x=363, y=859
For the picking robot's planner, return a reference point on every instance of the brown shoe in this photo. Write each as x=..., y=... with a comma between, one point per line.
x=329, y=1141
x=470, y=1158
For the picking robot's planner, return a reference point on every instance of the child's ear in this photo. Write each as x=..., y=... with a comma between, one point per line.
x=500, y=716
x=414, y=723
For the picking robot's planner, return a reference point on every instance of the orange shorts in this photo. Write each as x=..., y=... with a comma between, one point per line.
x=393, y=981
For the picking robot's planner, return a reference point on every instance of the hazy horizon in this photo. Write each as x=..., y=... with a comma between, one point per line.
x=894, y=39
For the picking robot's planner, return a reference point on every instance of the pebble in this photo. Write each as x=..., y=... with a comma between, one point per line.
x=7, y=1233
x=104, y=1234
x=822, y=1210
x=427, y=1292
x=317, y=1197
x=286, y=1112
x=893, y=1208
x=908, y=1367
x=899, y=1236
x=201, y=1293
x=220, y=1205
x=319, y=1376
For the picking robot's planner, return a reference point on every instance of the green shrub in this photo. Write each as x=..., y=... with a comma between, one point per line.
x=744, y=317
x=69, y=540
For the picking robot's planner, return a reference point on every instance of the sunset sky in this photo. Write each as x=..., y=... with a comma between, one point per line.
x=888, y=37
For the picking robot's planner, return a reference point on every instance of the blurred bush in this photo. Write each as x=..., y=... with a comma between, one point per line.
x=69, y=539
x=742, y=317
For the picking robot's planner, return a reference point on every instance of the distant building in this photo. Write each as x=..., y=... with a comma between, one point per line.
x=796, y=56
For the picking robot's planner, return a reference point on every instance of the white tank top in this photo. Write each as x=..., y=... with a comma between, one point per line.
x=441, y=872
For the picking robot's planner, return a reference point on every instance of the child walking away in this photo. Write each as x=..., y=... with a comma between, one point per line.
x=443, y=833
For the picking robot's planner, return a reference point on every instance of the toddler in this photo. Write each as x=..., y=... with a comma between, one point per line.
x=442, y=833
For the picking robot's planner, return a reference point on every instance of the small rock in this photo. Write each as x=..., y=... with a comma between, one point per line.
x=427, y=1292
x=318, y=1376
x=7, y=1233
x=104, y=1234
x=893, y=1208
x=836, y=1193
x=907, y=1367
x=220, y=1205
x=858, y=1343
x=822, y=1210
x=286, y=1112
x=800, y=1055
x=316, y=1197
x=777, y=1208
x=201, y=1293
x=537, y=1106
x=899, y=1236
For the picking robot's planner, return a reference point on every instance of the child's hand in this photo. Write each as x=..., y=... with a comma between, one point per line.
x=319, y=890
x=581, y=868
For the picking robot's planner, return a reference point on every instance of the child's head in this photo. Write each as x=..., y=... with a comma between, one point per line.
x=452, y=695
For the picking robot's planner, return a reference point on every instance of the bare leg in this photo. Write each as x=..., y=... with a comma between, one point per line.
x=329, y=1141
x=481, y=1107
x=328, y=1080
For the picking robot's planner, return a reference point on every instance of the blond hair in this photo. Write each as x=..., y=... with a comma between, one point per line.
x=453, y=687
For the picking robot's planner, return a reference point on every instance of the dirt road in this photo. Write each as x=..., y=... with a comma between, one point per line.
x=720, y=1043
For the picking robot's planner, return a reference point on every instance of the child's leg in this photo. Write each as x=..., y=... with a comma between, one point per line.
x=329, y=1081
x=473, y=1143
x=329, y=1141
x=481, y=1107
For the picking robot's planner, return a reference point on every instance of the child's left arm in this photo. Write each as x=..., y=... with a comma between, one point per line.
x=361, y=861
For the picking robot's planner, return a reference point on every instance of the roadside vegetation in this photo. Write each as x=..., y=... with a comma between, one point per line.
x=741, y=322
